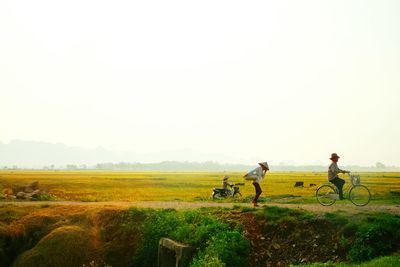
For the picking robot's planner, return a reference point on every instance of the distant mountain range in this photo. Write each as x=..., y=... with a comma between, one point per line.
x=38, y=154
x=31, y=154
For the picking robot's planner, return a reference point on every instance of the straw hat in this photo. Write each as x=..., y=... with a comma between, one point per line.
x=264, y=164
x=334, y=156
x=226, y=178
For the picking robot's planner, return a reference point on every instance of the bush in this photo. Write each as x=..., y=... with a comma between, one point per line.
x=158, y=224
x=376, y=237
x=217, y=245
x=231, y=247
x=207, y=260
x=202, y=231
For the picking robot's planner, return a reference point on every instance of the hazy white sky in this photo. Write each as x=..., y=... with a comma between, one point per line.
x=255, y=80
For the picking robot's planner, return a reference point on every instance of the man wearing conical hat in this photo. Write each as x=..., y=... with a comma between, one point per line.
x=333, y=172
x=257, y=175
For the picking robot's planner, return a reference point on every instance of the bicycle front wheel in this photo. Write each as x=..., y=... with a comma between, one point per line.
x=359, y=195
x=326, y=195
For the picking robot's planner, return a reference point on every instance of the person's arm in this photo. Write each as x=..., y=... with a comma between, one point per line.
x=337, y=170
x=342, y=171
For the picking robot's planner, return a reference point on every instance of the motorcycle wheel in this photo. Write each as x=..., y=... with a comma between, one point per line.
x=217, y=195
x=237, y=195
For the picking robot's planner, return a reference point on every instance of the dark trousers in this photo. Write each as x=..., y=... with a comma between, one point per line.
x=339, y=184
x=258, y=191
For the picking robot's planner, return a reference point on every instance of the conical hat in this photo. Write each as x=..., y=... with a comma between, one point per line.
x=265, y=164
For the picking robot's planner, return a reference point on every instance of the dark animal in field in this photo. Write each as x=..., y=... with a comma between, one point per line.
x=299, y=184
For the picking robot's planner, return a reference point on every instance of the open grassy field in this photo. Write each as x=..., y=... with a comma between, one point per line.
x=187, y=186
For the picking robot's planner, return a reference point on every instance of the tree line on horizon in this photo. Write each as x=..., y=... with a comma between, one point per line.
x=201, y=166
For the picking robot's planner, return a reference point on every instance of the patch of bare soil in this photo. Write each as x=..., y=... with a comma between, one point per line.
x=290, y=242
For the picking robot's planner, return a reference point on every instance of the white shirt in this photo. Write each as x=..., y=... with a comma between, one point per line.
x=257, y=175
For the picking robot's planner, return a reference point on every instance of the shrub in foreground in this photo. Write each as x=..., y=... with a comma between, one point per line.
x=217, y=244
x=377, y=236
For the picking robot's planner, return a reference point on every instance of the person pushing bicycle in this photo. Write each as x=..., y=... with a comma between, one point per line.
x=256, y=176
x=333, y=172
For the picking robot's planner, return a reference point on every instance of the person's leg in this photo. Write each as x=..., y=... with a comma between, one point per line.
x=255, y=188
x=258, y=192
x=339, y=184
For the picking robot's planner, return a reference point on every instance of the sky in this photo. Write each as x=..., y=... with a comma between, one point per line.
x=282, y=81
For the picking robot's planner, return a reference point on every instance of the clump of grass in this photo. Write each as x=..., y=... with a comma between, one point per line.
x=45, y=197
x=275, y=214
x=96, y=263
x=65, y=246
x=4, y=257
x=337, y=218
x=207, y=260
x=387, y=261
x=89, y=199
x=2, y=195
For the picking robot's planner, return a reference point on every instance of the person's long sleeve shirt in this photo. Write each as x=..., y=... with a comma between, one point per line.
x=257, y=175
x=225, y=184
x=333, y=171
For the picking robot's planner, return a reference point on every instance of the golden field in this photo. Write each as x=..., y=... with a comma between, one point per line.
x=187, y=186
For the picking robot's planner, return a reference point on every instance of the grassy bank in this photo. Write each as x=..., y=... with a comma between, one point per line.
x=116, y=236
x=386, y=261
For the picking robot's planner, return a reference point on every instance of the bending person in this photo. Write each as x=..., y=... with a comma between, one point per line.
x=256, y=176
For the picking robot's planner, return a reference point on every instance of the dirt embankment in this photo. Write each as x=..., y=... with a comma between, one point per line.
x=290, y=242
x=79, y=233
x=65, y=236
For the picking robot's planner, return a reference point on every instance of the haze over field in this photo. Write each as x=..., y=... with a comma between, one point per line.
x=234, y=81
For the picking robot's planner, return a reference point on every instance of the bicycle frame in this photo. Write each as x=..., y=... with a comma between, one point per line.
x=358, y=194
x=347, y=187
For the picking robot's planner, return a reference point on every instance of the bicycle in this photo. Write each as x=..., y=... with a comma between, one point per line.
x=359, y=194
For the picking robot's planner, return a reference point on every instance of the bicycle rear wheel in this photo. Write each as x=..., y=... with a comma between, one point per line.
x=359, y=195
x=326, y=195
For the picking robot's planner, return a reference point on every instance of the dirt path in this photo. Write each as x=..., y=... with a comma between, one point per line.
x=316, y=208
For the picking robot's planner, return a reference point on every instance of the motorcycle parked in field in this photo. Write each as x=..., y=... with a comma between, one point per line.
x=234, y=191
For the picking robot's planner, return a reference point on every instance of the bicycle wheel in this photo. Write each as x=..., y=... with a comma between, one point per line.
x=359, y=195
x=326, y=195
